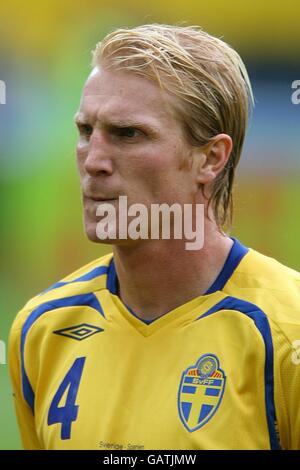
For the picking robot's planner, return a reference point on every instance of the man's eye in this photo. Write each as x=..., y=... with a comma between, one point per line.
x=85, y=129
x=127, y=132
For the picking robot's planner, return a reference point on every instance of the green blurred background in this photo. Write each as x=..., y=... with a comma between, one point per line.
x=45, y=52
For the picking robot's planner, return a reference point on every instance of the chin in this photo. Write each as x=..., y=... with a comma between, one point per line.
x=90, y=231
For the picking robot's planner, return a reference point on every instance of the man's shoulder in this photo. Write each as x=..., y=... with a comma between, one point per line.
x=269, y=284
x=263, y=272
x=85, y=280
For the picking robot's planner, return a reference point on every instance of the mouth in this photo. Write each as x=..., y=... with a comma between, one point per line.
x=99, y=198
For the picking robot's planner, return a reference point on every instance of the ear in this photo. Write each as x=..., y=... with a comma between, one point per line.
x=211, y=158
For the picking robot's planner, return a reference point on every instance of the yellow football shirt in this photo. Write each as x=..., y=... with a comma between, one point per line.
x=219, y=372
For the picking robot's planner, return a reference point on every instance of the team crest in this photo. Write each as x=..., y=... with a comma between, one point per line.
x=200, y=392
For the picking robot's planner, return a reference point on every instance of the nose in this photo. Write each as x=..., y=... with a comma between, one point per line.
x=99, y=155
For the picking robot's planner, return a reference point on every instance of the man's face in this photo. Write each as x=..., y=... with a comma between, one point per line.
x=130, y=144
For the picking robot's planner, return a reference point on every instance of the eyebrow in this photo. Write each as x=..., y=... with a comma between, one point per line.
x=80, y=118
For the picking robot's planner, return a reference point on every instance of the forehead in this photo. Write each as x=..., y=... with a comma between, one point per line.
x=119, y=94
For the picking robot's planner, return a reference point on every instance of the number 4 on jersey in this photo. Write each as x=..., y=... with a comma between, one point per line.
x=68, y=413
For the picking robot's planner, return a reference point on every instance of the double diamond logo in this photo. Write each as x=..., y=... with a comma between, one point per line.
x=79, y=332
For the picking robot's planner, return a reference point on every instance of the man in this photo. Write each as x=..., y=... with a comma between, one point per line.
x=158, y=346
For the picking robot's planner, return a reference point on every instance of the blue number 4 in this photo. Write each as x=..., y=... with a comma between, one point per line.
x=68, y=413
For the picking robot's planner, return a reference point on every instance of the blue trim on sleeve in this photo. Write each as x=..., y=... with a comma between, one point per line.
x=89, y=300
x=99, y=271
x=261, y=322
x=236, y=254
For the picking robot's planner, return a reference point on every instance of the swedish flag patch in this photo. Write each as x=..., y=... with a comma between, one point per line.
x=200, y=392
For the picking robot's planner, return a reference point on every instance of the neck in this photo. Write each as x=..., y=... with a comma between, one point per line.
x=157, y=276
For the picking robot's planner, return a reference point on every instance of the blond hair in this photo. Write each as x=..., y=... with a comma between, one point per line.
x=206, y=75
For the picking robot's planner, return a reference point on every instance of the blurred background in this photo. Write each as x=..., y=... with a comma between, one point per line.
x=45, y=52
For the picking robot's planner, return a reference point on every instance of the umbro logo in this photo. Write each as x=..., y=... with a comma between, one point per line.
x=79, y=332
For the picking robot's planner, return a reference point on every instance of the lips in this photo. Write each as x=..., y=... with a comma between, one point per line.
x=99, y=198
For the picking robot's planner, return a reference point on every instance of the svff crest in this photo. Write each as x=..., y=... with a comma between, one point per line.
x=200, y=392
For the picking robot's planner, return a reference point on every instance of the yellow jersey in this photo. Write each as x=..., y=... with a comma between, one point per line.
x=219, y=372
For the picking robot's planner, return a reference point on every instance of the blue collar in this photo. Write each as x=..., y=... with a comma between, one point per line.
x=112, y=283
x=236, y=254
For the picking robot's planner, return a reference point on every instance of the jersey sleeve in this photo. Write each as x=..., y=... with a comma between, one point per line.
x=24, y=413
